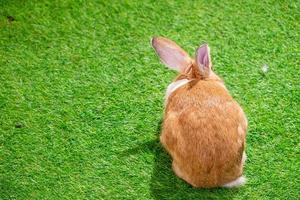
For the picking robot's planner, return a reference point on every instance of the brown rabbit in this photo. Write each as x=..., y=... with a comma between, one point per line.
x=204, y=128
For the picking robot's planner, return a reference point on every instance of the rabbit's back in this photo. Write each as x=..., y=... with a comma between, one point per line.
x=204, y=131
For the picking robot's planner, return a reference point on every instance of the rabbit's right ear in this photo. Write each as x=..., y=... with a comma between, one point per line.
x=203, y=60
x=171, y=54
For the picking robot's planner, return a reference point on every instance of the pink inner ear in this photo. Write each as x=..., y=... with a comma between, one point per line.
x=172, y=57
x=171, y=54
x=203, y=56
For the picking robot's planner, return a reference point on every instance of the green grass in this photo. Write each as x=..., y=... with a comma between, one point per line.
x=82, y=95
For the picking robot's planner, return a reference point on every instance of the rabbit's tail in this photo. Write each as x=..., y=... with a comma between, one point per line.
x=236, y=183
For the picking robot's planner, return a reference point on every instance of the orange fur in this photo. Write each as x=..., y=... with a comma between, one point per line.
x=204, y=130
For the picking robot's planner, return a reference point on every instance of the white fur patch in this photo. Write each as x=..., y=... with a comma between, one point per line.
x=175, y=85
x=236, y=183
x=244, y=158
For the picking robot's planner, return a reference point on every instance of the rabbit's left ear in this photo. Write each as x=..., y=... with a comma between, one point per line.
x=203, y=60
x=171, y=54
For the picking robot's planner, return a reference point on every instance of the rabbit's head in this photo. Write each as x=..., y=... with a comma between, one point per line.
x=176, y=58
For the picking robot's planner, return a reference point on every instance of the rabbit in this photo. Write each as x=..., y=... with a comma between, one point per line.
x=204, y=128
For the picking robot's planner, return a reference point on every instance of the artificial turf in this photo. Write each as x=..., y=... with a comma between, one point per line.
x=81, y=95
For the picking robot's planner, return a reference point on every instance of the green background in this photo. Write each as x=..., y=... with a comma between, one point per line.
x=81, y=95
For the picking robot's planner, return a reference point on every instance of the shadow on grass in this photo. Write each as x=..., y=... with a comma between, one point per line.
x=166, y=185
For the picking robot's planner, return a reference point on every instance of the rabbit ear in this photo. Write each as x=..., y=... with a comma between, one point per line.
x=171, y=54
x=203, y=60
